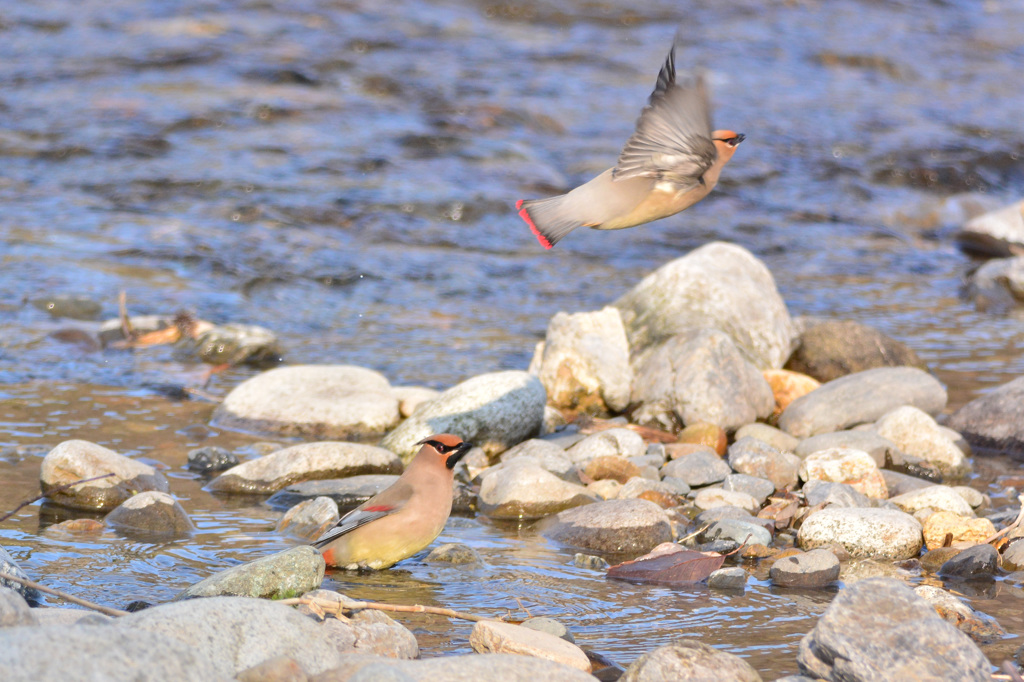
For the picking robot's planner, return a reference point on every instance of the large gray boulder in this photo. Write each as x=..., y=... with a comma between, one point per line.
x=584, y=362
x=877, y=629
x=493, y=411
x=338, y=402
x=306, y=462
x=994, y=422
x=717, y=286
x=860, y=398
x=699, y=377
x=76, y=460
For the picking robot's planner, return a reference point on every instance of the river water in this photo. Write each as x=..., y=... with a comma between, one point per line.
x=344, y=172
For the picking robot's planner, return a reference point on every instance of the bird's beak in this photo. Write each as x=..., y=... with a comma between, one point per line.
x=459, y=453
x=740, y=137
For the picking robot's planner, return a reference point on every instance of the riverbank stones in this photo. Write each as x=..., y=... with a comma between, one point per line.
x=937, y=497
x=861, y=398
x=997, y=233
x=702, y=467
x=614, y=442
x=309, y=519
x=756, y=458
x=973, y=563
x=834, y=348
x=493, y=411
x=75, y=460
x=305, y=462
x=878, y=629
x=881, y=533
x=614, y=526
x=855, y=468
x=337, y=402
x=278, y=576
x=915, y=433
x=151, y=514
x=717, y=286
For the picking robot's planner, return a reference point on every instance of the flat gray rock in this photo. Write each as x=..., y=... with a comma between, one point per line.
x=454, y=553
x=236, y=633
x=471, y=668
x=690, y=660
x=860, y=398
x=151, y=514
x=346, y=492
x=584, y=362
x=833, y=494
x=699, y=376
x=613, y=526
x=732, y=578
x=278, y=576
x=76, y=652
x=75, y=460
x=615, y=442
x=878, y=630
x=813, y=569
x=522, y=490
x=337, y=402
x=994, y=422
x=717, y=286
x=755, y=486
x=306, y=462
x=493, y=411
x=880, y=533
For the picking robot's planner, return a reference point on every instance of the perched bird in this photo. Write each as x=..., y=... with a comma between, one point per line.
x=403, y=519
x=671, y=162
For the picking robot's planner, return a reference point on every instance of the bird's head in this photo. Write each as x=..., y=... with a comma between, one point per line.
x=726, y=142
x=450, y=449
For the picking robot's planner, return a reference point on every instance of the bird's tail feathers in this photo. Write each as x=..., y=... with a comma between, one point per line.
x=549, y=219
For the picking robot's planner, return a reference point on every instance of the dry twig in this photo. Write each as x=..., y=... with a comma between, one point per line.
x=64, y=595
x=48, y=492
x=1016, y=522
x=337, y=607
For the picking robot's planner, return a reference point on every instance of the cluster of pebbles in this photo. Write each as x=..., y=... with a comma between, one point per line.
x=693, y=411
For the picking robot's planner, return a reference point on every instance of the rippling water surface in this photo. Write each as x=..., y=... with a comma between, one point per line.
x=343, y=173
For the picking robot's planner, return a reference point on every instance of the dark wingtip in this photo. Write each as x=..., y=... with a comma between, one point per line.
x=544, y=241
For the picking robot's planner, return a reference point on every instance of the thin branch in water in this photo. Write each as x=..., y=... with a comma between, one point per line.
x=64, y=595
x=337, y=607
x=1015, y=523
x=49, y=492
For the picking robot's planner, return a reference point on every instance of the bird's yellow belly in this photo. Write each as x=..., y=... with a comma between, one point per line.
x=376, y=549
x=662, y=202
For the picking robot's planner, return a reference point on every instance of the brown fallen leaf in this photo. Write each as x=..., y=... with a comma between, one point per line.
x=781, y=511
x=678, y=567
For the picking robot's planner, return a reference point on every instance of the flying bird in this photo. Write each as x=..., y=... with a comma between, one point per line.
x=671, y=162
x=401, y=520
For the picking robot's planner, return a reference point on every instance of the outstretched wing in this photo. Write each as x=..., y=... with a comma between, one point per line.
x=373, y=509
x=673, y=134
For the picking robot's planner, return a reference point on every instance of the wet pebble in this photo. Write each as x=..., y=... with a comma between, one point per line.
x=1013, y=556
x=320, y=401
x=980, y=627
x=74, y=460
x=860, y=398
x=455, y=553
x=307, y=461
x=505, y=638
x=151, y=514
x=10, y=567
x=740, y=531
x=278, y=576
x=550, y=626
x=210, y=459
x=813, y=569
x=614, y=526
x=493, y=411
x=732, y=578
x=861, y=637
x=590, y=561
x=994, y=421
x=974, y=563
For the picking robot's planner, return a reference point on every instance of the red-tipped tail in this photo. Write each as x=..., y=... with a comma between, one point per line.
x=533, y=228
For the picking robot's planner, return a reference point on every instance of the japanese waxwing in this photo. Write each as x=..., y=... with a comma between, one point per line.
x=403, y=519
x=671, y=162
